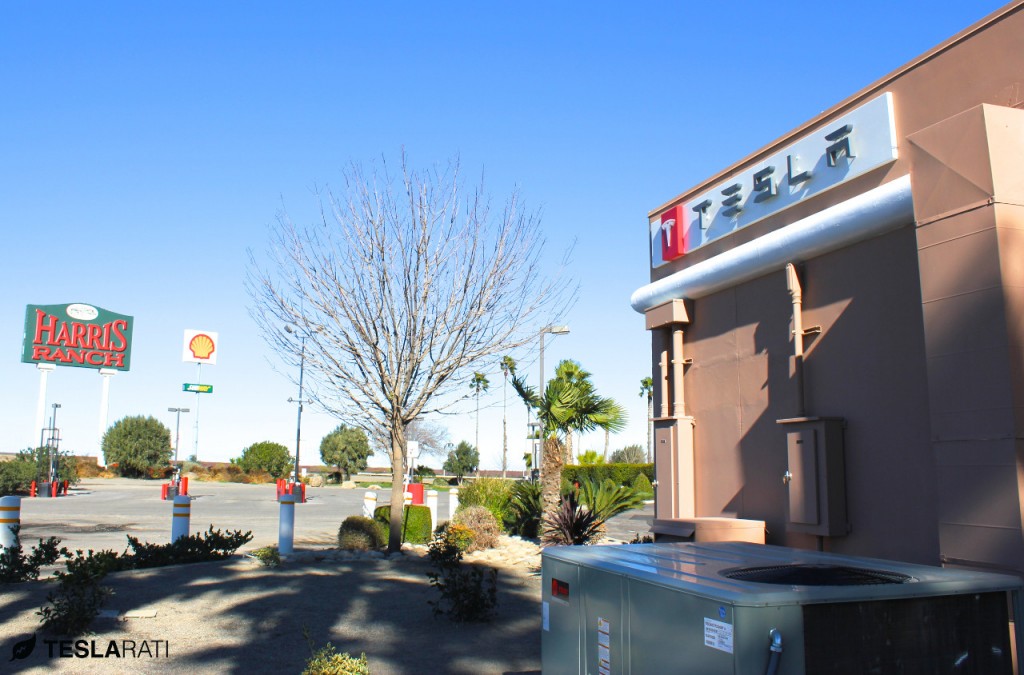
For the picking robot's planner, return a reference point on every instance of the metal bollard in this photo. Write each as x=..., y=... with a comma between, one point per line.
x=286, y=528
x=10, y=520
x=163, y=491
x=453, y=501
x=369, y=504
x=180, y=515
x=32, y=489
x=184, y=485
x=432, y=505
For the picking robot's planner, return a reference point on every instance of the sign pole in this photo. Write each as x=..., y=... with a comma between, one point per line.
x=195, y=434
x=44, y=369
x=106, y=374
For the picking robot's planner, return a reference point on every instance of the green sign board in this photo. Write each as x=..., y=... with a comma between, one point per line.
x=197, y=388
x=77, y=335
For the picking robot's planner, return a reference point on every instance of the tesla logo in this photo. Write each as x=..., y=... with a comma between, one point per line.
x=673, y=234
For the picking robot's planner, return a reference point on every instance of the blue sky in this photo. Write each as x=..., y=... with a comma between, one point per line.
x=145, y=147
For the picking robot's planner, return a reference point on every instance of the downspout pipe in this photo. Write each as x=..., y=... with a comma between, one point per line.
x=867, y=215
x=796, y=295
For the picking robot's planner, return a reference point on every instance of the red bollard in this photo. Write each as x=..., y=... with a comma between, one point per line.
x=65, y=488
x=184, y=486
x=163, y=492
x=53, y=488
x=32, y=489
x=302, y=491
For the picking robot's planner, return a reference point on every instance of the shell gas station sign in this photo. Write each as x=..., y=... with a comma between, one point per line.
x=200, y=346
x=77, y=335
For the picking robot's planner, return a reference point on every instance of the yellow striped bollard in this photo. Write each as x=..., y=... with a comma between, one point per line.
x=10, y=521
x=180, y=514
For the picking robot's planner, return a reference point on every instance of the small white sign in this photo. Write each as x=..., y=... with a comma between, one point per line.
x=718, y=635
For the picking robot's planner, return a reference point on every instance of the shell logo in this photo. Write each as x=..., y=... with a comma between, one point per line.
x=201, y=346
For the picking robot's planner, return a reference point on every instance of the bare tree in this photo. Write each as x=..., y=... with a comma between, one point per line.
x=403, y=286
x=432, y=437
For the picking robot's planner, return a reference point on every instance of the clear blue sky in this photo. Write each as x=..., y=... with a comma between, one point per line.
x=144, y=147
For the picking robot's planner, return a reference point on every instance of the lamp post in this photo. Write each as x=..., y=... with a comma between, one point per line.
x=302, y=369
x=53, y=444
x=177, y=429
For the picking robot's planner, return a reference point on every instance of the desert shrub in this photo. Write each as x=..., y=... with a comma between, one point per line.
x=160, y=472
x=87, y=467
x=361, y=534
x=255, y=478
x=79, y=595
x=327, y=661
x=572, y=524
x=464, y=595
x=642, y=484
x=192, y=467
x=491, y=493
x=483, y=524
x=15, y=566
x=526, y=508
x=211, y=545
x=268, y=556
x=620, y=474
x=134, y=445
x=416, y=525
x=460, y=535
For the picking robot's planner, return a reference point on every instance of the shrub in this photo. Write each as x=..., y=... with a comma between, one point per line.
x=327, y=661
x=211, y=545
x=265, y=456
x=79, y=595
x=87, y=467
x=526, y=508
x=631, y=454
x=15, y=566
x=483, y=524
x=16, y=476
x=423, y=472
x=571, y=525
x=620, y=474
x=268, y=556
x=416, y=524
x=642, y=484
x=441, y=483
x=491, y=493
x=361, y=534
x=347, y=449
x=608, y=499
x=136, y=444
x=463, y=594
x=460, y=535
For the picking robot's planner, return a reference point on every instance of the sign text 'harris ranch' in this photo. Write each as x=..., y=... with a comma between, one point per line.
x=78, y=335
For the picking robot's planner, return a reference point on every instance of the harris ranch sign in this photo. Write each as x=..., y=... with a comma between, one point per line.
x=78, y=335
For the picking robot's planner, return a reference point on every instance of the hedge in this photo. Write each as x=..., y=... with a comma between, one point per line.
x=620, y=474
x=416, y=526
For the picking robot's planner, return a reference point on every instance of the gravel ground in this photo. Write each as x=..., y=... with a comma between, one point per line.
x=237, y=616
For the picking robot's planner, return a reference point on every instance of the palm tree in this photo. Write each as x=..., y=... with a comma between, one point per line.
x=647, y=389
x=477, y=385
x=569, y=403
x=508, y=365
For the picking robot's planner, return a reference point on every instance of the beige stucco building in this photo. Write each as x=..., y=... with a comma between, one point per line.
x=837, y=321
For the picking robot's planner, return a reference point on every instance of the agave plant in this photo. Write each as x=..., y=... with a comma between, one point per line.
x=573, y=524
x=607, y=499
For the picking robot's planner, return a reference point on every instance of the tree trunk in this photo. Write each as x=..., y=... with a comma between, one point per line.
x=567, y=450
x=606, y=439
x=551, y=476
x=397, y=489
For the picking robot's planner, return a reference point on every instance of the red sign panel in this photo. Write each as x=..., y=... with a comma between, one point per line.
x=673, y=234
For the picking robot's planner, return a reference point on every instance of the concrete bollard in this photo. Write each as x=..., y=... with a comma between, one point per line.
x=286, y=528
x=407, y=497
x=369, y=504
x=453, y=502
x=181, y=513
x=432, y=505
x=10, y=520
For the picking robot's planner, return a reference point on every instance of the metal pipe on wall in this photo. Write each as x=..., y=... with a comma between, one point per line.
x=796, y=295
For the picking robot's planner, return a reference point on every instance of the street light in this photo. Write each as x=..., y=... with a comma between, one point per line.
x=177, y=429
x=554, y=330
x=53, y=444
x=302, y=369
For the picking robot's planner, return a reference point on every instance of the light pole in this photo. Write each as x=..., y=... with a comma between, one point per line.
x=554, y=330
x=53, y=444
x=302, y=369
x=177, y=429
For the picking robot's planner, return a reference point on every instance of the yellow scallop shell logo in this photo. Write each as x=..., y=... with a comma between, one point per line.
x=201, y=346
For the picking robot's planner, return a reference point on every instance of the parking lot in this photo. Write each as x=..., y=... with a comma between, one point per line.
x=99, y=513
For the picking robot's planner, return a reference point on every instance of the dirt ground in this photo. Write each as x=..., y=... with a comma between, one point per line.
x=237, y=616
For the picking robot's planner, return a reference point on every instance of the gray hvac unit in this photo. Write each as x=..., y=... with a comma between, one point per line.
x=717, y=608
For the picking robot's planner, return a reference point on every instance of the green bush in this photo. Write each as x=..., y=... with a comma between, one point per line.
x=483, y=524
x=362, y=534
x=441, y=483
x=15, y=566
x=268, y=556
x=494, y=494
x=79, y=595
x=620, y=474
x=464, y=596
x=526, y=508
x=266, y=456
x=573, y=524
x=134, y=445
x=416, y=525
x=16, y=476
x=608, y=499
x=642, y=484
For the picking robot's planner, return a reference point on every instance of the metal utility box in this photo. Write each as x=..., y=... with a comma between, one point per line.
x=816, y=475
x=714, y=609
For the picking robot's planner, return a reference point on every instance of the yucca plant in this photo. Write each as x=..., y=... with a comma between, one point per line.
x=525, y=507
x=573, y=524
x=607, y=499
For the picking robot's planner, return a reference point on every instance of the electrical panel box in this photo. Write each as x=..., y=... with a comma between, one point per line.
x=816, y=476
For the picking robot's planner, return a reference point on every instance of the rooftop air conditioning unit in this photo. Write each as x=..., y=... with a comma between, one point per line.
x=737, y=608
